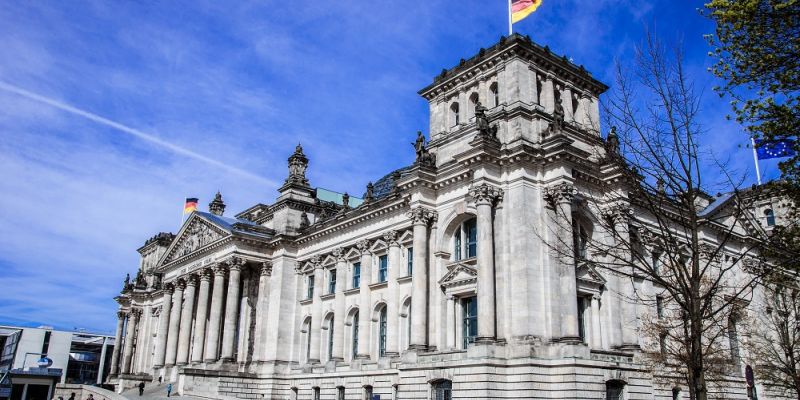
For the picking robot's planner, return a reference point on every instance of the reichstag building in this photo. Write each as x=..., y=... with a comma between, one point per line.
x=437, y=282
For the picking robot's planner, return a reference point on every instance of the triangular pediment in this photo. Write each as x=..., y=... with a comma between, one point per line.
x=588, y=273
x=196, y=234
x=459, y=274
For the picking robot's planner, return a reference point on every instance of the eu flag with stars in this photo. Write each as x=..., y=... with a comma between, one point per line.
x=774, y=149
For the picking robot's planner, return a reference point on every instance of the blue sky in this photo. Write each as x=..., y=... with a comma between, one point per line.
x=112, y=112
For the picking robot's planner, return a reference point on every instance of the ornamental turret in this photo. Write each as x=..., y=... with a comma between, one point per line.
x=217, y=206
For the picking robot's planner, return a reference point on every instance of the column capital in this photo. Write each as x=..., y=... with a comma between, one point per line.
x=234, y=263
x=618, y=213
x=485, y=194
x=266, y=269
x=562, y=193
x=205, y=274
x=421, y=215
x=391, y=238
x=363, y=246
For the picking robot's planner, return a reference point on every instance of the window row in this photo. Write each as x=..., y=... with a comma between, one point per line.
x=355, y=276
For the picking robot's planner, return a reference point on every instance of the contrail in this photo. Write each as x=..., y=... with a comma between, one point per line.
x=133, y=132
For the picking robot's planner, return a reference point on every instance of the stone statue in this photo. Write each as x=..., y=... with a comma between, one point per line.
x=557, y=125
x=424, y=156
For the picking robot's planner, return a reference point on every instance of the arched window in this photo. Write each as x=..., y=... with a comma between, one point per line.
x=495, y=94
x=465, y=240
x=355, y=335
x=454, y=114
x=442, y=390
x=770, y=216
x=382, y=333
x=473, y=101
x=615, y=390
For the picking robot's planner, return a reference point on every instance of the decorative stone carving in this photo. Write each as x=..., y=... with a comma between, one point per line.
x=197, y=235
x=217, y=206
x=560, y=193
x=484, y=193
x=421, y=215
x=557, y=124
x=298, y=163
x=482, y=122
x=266, y=269
x=363, y=246
x=424, y=156
x=390, y=237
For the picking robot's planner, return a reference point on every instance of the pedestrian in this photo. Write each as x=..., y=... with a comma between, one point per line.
x=141, y=388
x=169, y=389
x=72, y=396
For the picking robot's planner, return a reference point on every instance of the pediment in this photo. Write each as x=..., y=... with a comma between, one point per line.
x=587, y=272
x=459, y=274
x=196, y=234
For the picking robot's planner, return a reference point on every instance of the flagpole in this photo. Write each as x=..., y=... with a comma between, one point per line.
x=510, y=24
x=755, y=159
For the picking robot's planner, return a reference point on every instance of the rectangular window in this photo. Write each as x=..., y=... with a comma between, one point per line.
x=410, y=263
x=581, y=317
x=656, y=263
x=457, y=245
x=470, y=310
x=332, y=281
x=310, y=287
x=471, y=228
x=356, y=275
x=383, y=268
x=660, y=307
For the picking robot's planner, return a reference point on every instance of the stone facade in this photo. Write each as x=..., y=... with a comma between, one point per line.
x=441, y=278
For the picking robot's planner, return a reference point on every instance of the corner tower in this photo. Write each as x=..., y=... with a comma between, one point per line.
x=527, y=90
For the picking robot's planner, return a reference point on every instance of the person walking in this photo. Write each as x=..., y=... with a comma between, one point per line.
x=169, y=389
x=141, y=388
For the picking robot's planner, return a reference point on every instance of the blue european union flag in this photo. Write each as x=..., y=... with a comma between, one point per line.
x=776, y=149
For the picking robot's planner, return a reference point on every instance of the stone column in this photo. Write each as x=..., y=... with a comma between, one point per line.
x=202, y=315
x=231, y=308
x=174, y=323
x=629, y=318
x=548, y=94
x=316, y=312
x=102, y=366
x=163, y=326
x=566, y=102
x=262, y=305
x=211, y=352
x=186, y=321
x=421, y=217
x=129, y=338
x=560, y=197
x=597, y=339
x=485, y=196
x=117, y=343
x=364, y=301
x=392, y=311
x=339, y=306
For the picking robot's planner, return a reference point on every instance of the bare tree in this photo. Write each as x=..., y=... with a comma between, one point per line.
x=658, y=224
x=773, y=336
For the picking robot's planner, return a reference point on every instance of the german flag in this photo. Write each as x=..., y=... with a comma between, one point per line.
x=522, y=8
x=191, y=205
